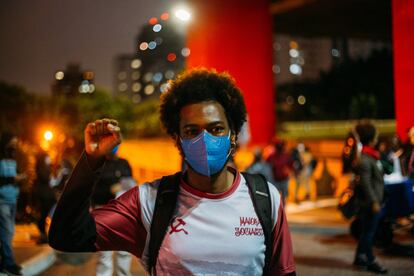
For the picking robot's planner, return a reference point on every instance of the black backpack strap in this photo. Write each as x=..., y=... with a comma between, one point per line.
x=165, y=204
x=259, y=192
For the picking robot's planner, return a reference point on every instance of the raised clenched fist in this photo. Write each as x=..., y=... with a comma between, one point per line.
x=101, y=137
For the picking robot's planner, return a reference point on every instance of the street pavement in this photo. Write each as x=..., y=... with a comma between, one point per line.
x=321, y=242
x=323, y=246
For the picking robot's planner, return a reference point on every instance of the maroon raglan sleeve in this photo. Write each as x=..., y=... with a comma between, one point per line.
x=119, y=226
x=282, y=262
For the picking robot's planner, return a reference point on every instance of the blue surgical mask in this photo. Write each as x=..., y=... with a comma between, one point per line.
x=206, y=154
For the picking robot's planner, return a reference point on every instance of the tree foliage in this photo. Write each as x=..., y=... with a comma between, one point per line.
x=23, y=113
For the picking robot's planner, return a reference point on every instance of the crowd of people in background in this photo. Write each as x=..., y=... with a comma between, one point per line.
x=396, y=157
x=373, y=161
x=279, y=165
x=296, y=165
x=33, y=205
x=46, y=185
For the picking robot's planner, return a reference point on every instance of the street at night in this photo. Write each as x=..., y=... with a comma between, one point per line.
x=321, y=241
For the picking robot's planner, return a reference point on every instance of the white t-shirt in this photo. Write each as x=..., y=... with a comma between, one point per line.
x=210, y=234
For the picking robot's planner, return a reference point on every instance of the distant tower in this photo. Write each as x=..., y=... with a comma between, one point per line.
x=160, y=55
x=72, y=81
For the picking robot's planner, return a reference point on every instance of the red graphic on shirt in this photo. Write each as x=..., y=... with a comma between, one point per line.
x=174, y=228
x=249, y=226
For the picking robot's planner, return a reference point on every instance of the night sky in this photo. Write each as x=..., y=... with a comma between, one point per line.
x=39, y=37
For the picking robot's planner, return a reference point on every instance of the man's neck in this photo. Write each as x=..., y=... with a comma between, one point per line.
x=214, y=185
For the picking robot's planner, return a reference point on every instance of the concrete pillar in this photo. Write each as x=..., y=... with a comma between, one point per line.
x=403, y=48
x=236, y=36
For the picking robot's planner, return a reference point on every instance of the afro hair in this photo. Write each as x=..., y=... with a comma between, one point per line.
x=200, y=85
x=366, y=132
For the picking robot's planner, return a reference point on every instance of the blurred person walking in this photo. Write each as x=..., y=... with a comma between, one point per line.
x=282, y=164
x=114, y=181
x=386, y=155
x=369, y=191
x=260, y=166
x=57, y=181
x=43, y=195
x=303, y=173
x=407, y=156
x=9, y=192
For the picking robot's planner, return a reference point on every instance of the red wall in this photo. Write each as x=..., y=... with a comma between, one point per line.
x=403, y=47
x=236, y=36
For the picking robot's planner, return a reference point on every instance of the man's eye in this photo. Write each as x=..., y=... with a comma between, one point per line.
x=217, y=130
x=191, y=132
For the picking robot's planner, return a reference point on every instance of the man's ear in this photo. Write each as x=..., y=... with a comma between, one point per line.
x=233, y=142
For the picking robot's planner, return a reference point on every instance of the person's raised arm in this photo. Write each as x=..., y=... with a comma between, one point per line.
x=73, y=228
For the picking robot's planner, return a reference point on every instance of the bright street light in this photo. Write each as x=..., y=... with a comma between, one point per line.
x=48, y=135
x=183, y=14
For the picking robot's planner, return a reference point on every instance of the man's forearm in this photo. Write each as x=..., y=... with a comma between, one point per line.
x=73, y=228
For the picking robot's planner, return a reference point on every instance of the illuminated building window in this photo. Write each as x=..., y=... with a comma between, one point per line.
x=276, y=69
x=135, y=75
x=122, y=75
x=171, y=57
x=136, y=63
x=295, y=69
x=136, y=87
x=148, y=77
x=301, y=100
x=59, y=75
x=157, y=77
x=169, y=74
x=157, y=28
x=185, y=52
x=152, y=45
x=143, y=46
x=136, y=98
x=153, y=21
x=149, y=89
x=122, y=87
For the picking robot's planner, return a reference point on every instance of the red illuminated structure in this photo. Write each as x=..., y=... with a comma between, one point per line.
x=403, y=45
x=236, y=36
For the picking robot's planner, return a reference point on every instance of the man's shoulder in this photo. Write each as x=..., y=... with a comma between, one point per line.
x=150, y=185
x=272, y=188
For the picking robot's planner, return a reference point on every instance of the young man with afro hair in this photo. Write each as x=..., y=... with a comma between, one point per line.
x=214, y=228
x=369, y=191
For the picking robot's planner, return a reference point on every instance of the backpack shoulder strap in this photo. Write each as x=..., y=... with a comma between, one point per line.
x=260, y=194
x=165, y=204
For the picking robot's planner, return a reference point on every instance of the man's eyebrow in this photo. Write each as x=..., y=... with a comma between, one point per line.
x=215, y=123
x=191, y=126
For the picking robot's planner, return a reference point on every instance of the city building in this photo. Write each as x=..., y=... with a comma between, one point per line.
x=73, y=81
x=128, y=73
x=159, y=55
x=299, y=59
